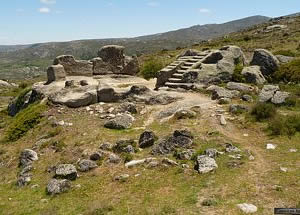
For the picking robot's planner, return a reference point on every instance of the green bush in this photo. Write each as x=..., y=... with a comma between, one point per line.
x=21, y=98
x=285, y=125
x=150, y=68
x=24, y=121
x=289, y=72
x=127, y=157
x=237, y=74
x=285, y=53
x=262, y=111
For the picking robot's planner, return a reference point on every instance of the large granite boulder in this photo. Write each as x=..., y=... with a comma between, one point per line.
x=253, y=75
x=56, y=73
x=266, y=60
x=239, y=87
x=101, y=68
x=74, y=67
x=220, y=92
x=280, y=97
x=131, y=66
x=75, y=97
x=113, y=55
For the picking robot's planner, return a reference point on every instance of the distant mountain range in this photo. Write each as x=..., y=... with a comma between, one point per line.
x=138, y=45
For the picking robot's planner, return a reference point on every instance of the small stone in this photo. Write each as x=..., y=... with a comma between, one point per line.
x=122, y=178
x=96, y=156
x=113, y=158
x=223, y=120
x=247, y=208
x=293, y=150
x=283, y=169
x=205, y=164
x=86, y=165
x=58, y=186
x=251, y=158
x=246, y=135
x=153, y=164
x=66, y=171
x=185, y=166
x=34, y=186
x=231, y=148
x=44, y=200
x=169, y=162
x=27, y=157
x=271, y=146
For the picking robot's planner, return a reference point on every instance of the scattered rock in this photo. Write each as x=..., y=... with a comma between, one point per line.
x=123, y=121
x=213, y=153
x=236, y=109
x=106, y=146
x=223, y=120
x=134, y=163
x=86, y=165
x=57, y=186
x=153, y=164
x=128, y=107
x=4, y=84
x=124, y=146
x=27, y=157
x=179, y=139
x=231, y=148
x=161, y=99
x=169, y=162
x=113, y=158
x=24, y=176
x=247, y=208
x=96, y=156
x=266, y=60
x=267, y=93
x=184, y=114
x=253, y=75
x=66, y=171
x=185, y=154
x=293, y=150
x=283, y=169
x=239, y=87
x=205, y=164
x=271, y=146
x=122, y=178
x=247, y=98
x=147, y=139
x=280, y=97
x=220, y=92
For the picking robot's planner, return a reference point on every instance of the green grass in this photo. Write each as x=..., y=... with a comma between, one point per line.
x=24, y=121
x=151, y=67
x=289, y=72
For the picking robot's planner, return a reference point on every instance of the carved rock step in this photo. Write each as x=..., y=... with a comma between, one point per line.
x=175, y=80
x=177, y=75
x=181, y=71
x=188, y=64
x=185, y=67
x=179, y=85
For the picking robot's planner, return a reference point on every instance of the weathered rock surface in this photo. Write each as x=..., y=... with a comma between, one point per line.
x=57, y=186
x=114, y=159
x=205, y=164
x=66, y=171
x=284, y=59
x=86, y=165
x=123, y=121
x=55, y=73
x=247, y=98
x=280, y=97
x=27, y=157
x=75, y=97
x=266, y=60
x=184, y=114
x=185, y=154
x=179, y=139
x=74, y=67
x=253, y=75
x=147, y=139
x=239, y=87
x=247, y=208
x=128, y=107
x=25, y=175
x=125, y=145
x=220, y=92
x=5, y=84
x=267, y=93
x=235, y=109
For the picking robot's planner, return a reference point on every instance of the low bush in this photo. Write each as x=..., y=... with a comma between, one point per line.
x=24, y=121
x=285, y=125
x=262, y=111
x=285, y=53
x=151, y=68
x=289, y=72
x=237, y=74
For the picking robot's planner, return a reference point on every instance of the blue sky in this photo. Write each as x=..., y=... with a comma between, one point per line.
x=33, y=21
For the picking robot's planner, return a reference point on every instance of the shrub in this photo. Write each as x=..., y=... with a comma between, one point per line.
x=285, y=125
x=247, y=38
x=23, y=85
x=21, y=98
x=237, y=74
x=24, y=121
x=127, y=157
x=150, y=68
x=285, y=53
x=262, y=111
x=289, y=72
x=291, y=101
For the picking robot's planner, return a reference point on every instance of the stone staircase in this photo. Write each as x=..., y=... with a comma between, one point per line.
x=181, y=66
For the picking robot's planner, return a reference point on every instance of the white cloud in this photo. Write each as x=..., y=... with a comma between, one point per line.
x=153, y=4
x=204, y=10
x=48, y=1
x=44, y=10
